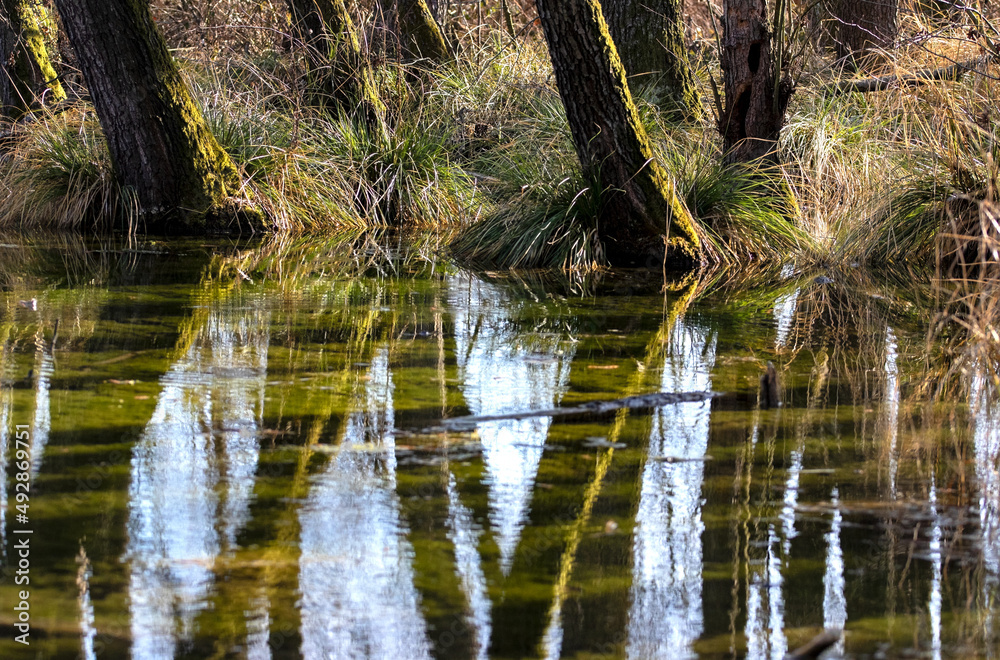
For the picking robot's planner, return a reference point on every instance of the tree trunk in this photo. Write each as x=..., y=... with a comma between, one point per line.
x=640, y=204
x=338, y=67
x=419, y=32
x=159, y=144
x=649, y=37
x=755, y=99
x=28, y=79
x=861, y=26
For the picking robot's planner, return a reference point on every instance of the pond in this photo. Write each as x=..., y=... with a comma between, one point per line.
x=252, y=451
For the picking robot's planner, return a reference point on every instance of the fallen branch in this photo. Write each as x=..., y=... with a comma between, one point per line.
x=815, y=647
x=590, y=409
x=952, y=72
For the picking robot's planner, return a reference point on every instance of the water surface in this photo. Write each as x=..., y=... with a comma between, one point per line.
x=239, y=451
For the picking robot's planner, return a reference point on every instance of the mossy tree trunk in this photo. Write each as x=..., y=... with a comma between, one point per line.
x=861, y=26
x=340, y=72
x=160, y=147
x=755, y=97
x=28, y=78
x=420, y=36
x=649, y=36
x=640, y=205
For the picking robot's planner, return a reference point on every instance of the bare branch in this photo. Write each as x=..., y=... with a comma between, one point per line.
x=881, y=83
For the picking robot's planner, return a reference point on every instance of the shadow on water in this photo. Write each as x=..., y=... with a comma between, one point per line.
x=237, y=450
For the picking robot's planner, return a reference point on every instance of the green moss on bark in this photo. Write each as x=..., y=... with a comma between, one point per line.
x=642, y=214
x=420, y=34
x=29, y=79
x=159, y=143
x=340, y=71
x=649, y=37
x=206, y=174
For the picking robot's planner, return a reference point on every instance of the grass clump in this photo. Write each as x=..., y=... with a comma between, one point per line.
x=552, y=224
x=408, y=178
x=744, y=213
x=296, y=186
x=305, y=169
x=546, y=211
x=314, y=170
x=58, y=174
x=925, y=206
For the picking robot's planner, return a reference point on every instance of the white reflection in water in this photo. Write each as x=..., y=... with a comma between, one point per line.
x=834, y=601
x=174, y=505
x=87, y=630
x=791, y=499
x=666, y=595
x=464, y=535
x=553, y=639
x=890, y=420
x=987, y=449
x=259, y=628
x=503, y=370
x=937, y=568
x=766, y=605
x=355, y=570
x=784, y=314
x=42, y=423
x=172, y=501
x=239, y=353
x=987, y=439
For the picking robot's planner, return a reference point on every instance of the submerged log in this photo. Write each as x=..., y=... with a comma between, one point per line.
x=816, y=646
x=589, y=409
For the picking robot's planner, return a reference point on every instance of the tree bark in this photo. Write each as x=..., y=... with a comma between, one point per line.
x=649, y=37
x=27, y=79
x=861, y=26
x=160, y=147
x=641, y=210
x=419, y=32
x=755, y=98
x=338, y=68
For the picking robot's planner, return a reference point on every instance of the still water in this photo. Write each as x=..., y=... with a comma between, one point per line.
x=245, y=451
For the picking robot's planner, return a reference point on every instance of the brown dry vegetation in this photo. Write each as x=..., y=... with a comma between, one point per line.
x=871, y=177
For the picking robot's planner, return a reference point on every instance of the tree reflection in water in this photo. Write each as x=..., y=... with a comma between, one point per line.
x=201, y=443
x=358, y=599
x=666, y=615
